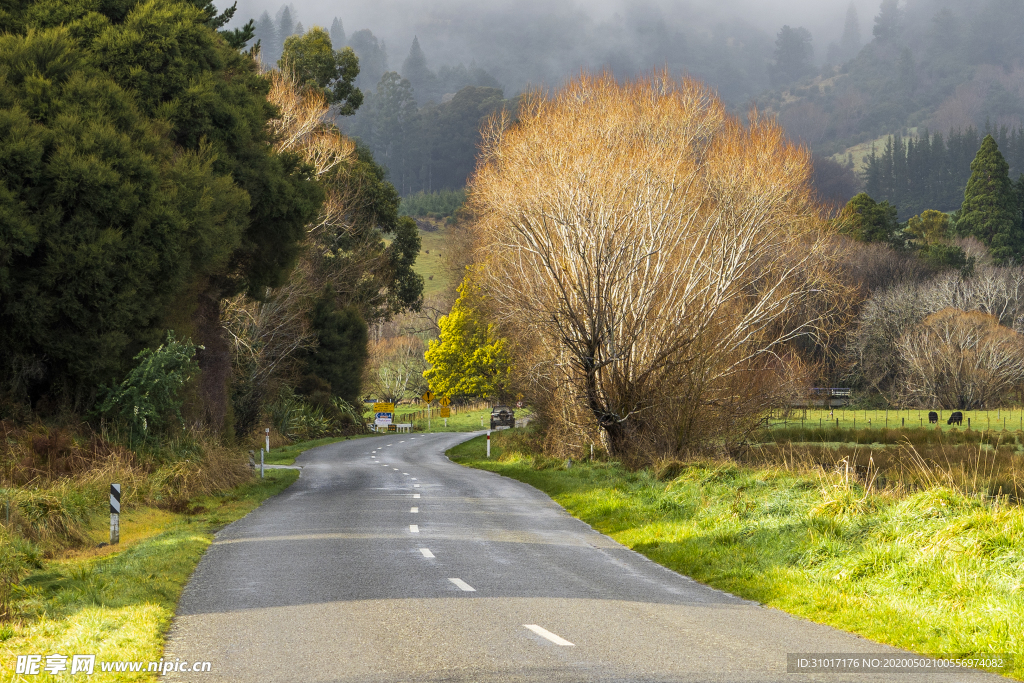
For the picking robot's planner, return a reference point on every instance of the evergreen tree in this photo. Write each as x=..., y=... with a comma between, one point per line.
x=317, y=65
x=285, y=27
x=849, y=44
x=265, y=32
x=991, y=209
x=337, y=33
x=140, y=189
x=793, y=53
x=373, y=58
x=888, y=23
x=341, y=351
x=414, y=68
x=868, y=221
x=299, y=30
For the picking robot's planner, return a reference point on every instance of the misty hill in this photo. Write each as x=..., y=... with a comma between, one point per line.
x=837, y=74
x=935, y=64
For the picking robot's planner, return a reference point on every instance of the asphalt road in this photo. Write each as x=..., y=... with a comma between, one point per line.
x=387, y=562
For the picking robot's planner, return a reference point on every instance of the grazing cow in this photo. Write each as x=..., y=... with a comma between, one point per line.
x=933, y=418
x=956, y=418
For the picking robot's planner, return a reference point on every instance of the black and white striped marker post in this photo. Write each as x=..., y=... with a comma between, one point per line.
x=115, y=513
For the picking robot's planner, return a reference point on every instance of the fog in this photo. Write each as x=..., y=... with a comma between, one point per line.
x=540, y=43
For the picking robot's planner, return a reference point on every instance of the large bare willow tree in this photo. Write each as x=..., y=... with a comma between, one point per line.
x=655, y=253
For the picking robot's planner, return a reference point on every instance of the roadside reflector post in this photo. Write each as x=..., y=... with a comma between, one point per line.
x=268, y=440
x=115, y=514
x=261, y=463
x=488, y=443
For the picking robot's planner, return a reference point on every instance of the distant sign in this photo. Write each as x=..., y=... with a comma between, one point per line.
x=519, y=404
x=428, y=396
x=383, y=419
x=446, y=412
x=445, y=401
x=383, y=407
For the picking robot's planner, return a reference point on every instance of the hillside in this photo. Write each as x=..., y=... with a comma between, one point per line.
x=930, y=66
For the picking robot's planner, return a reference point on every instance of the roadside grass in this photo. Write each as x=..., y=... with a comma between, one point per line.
x=117, y=602
x=931, y=571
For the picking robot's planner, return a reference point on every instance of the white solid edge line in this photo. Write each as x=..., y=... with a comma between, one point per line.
x=414, y=510
x=426, y=552
x=414, y=528
x=464, y=586
x=544, y=633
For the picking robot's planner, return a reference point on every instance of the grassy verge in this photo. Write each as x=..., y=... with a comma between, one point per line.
x=932, y=571
x=117, y=603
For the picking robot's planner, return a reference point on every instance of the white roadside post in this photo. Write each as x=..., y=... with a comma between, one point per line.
x=488, y=443
x=267, y=430
x=261, y=463
x=115, y=513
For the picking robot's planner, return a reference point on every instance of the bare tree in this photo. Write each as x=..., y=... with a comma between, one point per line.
x=961, y=359
x=657, y=248
x=396, y=366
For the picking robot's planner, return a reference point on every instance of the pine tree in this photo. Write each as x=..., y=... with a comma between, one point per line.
x=887, y=23
x=415, y=69
x=285, y=26
x=991, y=211
x=266, y=33
x=337, y=34
x=850, y=42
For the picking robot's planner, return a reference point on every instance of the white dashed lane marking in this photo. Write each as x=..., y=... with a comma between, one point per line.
x=426, y=552
x=414, y=510
x=415, y=495
x=414, y=528
x=544, y=633
x=463, y=585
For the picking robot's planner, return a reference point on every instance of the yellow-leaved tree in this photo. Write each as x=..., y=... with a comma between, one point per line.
x=468, y=358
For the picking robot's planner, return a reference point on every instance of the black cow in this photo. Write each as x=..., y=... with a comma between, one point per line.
x=956, y=418
x=933, y=418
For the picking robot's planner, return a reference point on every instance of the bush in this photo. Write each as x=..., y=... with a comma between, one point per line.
x=151, y=394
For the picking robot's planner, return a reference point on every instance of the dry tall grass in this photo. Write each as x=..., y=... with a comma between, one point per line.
x=971, y=469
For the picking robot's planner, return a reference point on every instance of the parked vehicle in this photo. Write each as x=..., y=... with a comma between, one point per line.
x=502, y=416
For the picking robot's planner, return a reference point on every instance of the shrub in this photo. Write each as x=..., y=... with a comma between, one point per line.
x=151, y=394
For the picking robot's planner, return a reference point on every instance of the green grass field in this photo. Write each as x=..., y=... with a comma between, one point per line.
x=1010, y=419
x=117, y=602
x=429, y=263
x=931, y=571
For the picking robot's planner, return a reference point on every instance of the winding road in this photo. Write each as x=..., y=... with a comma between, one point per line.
x=386, y=562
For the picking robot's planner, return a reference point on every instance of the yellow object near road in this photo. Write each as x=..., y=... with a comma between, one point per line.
x=383, y=407
x=428, y=396
x=445, y=401
x=446, y=412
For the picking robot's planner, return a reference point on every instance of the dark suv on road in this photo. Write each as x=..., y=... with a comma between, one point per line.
x=502, y=416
